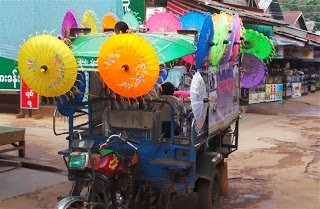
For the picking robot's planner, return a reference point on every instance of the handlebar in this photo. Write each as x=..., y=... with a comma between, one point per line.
x=123, y=139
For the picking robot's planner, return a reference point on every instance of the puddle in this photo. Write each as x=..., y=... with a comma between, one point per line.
x=244, y=198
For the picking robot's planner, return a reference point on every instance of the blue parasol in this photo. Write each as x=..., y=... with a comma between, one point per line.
x=192, y=21
x=203, y=24
x=163, y=75
x=204, y=42
x=65, y=103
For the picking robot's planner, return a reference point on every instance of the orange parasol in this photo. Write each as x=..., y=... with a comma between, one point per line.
x=109, y=21
x=128, y=65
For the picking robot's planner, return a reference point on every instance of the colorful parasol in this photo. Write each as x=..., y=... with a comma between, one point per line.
x=237, y=40
x=88, y=21
x=233, y=27
x=47, y=65
x=257, y=44
x=195, y=21
x=253, y=71
x=192, y=21
x=131, y=19
x=69, y=21
x=109, y=21
x=163, y=75
x=204, y=42
x=163, y=22
x=198, y=94
x=169, y=47
x=221, y=34
x=65, y=103
x=128, y=65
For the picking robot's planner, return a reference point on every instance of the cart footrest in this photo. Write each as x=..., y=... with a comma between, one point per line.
x=171, y=163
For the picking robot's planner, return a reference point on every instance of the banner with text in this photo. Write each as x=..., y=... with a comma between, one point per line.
x=9, y=75
x=28, y=98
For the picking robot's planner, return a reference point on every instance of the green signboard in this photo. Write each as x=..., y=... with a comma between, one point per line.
x=136, y=6
x=9, y=75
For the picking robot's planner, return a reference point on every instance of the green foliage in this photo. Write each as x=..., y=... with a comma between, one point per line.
x=309, y=8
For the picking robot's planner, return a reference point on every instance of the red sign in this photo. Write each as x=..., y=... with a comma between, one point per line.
x=28, y=98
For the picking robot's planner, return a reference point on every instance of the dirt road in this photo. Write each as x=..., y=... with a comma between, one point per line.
x=277, y=164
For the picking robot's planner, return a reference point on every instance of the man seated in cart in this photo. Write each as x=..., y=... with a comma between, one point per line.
x=167, y=93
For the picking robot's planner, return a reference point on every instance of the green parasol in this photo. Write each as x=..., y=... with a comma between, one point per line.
x=257, y=44
x=221, y=35
x=131, y=19
x=168, y=47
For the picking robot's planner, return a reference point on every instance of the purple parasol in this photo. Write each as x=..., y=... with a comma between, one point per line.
x=236, y=44
x=253, y=71
x=69, y=21
x=232, y=35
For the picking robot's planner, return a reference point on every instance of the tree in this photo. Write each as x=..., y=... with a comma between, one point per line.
x=309, y=8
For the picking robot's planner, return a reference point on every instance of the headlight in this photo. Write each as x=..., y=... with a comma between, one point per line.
x=78, y=160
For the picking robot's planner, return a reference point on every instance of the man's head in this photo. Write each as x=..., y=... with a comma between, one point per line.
x=121, y=27
x=167, y=88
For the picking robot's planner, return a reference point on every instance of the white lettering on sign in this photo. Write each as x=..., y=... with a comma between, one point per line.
x=126, y=4
x=11, y=78
x=29, y=103
x=29, y=94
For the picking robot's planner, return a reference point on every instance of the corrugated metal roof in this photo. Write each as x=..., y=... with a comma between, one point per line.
x=249, y=14
x=313, y=37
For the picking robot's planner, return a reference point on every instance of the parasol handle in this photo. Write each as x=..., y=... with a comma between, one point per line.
x=206, y=100
x=125, y=67
x=213, y=44
x=226, y=42
x=43, y=68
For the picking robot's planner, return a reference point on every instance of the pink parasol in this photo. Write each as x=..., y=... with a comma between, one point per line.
x=69, y=21
x=190, y=59
x=163, y=22
x=236, y=44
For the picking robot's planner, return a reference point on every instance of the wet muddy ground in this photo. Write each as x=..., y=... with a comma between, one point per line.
x=277, y=164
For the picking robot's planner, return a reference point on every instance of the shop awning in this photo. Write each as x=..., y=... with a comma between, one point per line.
x=281, y=40
x=266, y=30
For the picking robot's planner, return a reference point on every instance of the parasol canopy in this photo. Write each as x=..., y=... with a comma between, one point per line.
x=192, y=21
x=237, y=38
x=204, y=42
x=163, y=75
x=198, y=94
x=128, y=65
x=163, y=22
x=65, y=103
x=233, y=27
x=69, y=21
x=257, y=44
x=47, y=65
x=109, y=21
x=253, y=71
x=169, y=47
x=203, y=24
x=221, y=34
x=131, y=20
x=88, y=21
